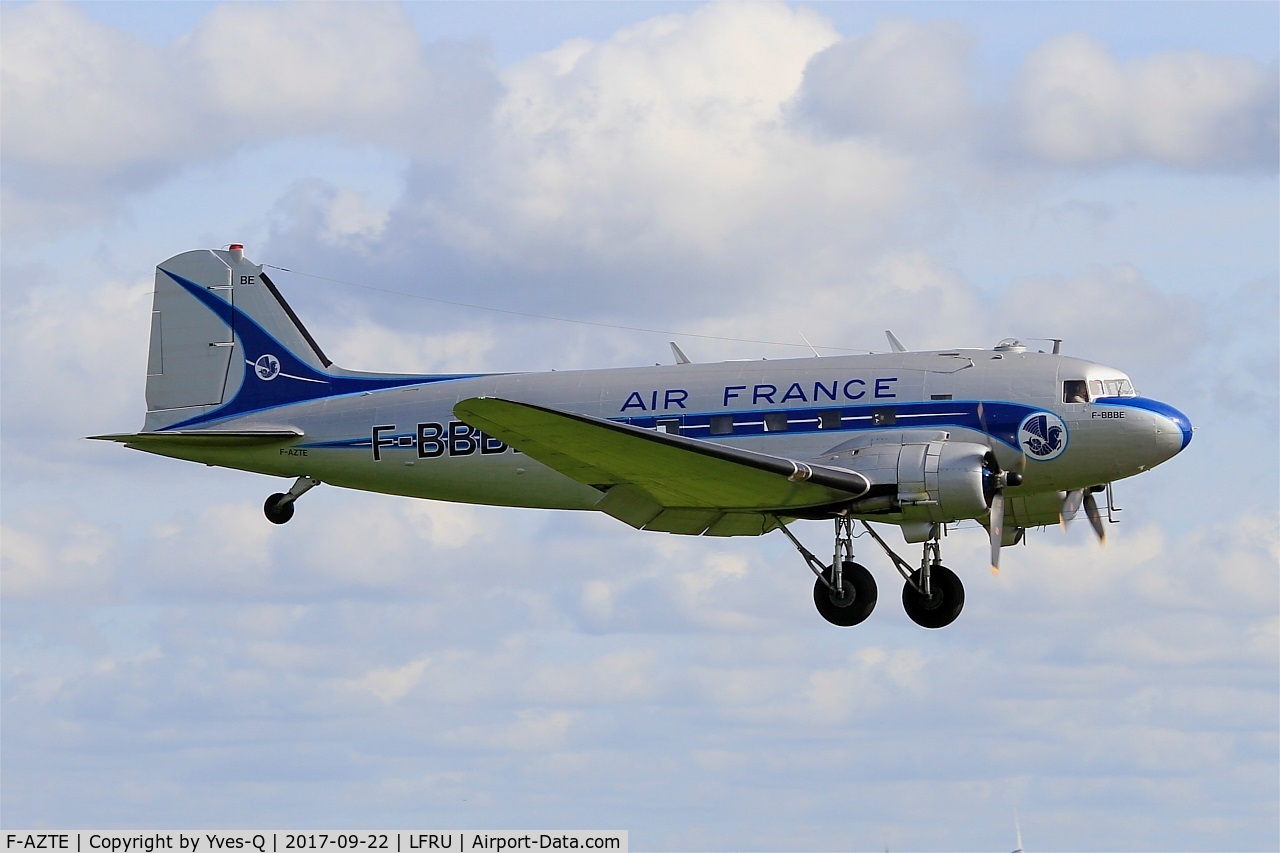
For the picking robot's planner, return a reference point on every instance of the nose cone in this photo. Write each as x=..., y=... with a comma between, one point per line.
x=1173, y=428
x=1182, y=422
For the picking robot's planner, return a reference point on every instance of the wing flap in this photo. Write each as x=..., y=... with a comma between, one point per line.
x=657, y=471
x=631, y=504
x=744, y=524
x=693, y=522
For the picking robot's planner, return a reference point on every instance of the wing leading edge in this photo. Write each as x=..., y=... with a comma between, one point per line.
x=656, y=481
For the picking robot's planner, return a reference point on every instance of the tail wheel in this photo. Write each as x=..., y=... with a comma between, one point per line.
x=856, y=601
x=277, y=509
x=942, y=606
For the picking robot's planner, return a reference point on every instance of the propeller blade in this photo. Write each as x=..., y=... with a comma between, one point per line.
x=997, y=529
x=1070, y=506
x=1019, y=464
x=1095, y=517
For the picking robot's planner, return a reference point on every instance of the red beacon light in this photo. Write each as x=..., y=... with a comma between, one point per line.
x=237, y=252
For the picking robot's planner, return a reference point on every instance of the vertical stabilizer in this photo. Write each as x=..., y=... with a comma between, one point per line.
x=224, y=343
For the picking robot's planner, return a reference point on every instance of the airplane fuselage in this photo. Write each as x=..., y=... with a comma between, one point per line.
x=408, y=441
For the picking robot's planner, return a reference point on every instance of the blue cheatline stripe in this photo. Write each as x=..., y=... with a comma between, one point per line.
x=292, y=380
x=1002, y=420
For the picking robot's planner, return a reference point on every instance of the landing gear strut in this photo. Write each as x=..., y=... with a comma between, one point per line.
x=279, y=507
x=932, y=595
x=845, y=592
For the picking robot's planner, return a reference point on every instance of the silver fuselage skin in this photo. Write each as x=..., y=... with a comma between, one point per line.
x=408, y=441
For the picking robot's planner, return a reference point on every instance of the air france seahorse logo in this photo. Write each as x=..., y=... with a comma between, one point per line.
x=1043, y=436
x=267, y=367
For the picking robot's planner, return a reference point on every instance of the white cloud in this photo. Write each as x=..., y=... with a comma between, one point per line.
x=628, y=675
x=57, y=559
x=1079, y=105
x=363, y=343
x=290, y=68
x=530, y=731
x=339, y=216
x=85, y=97
x=391, y=683
x=362, y=546
x=225, y=547
x=668, y=138
x=444, y=525
x=908, y=80
x=92, y=112
x=1112, y=313
x=873, y=678
x=75, y=357
x=848, y=303
x=353, y=216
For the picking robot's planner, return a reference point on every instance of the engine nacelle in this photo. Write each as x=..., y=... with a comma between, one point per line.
x=937, y=480
x=945, y=478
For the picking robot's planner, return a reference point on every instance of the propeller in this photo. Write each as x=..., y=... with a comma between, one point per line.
x=999, y=480
x=1083, y=497
x=1070, y=506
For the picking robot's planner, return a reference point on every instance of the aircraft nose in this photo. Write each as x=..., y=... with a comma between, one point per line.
x=1173, y=428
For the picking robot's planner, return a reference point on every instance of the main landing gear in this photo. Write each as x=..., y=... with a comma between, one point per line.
x=279, y=507
x=845, y=592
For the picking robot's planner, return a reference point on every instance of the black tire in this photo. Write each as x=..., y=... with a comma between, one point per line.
x=277, y=510
x=859, y=597
x=940, y=609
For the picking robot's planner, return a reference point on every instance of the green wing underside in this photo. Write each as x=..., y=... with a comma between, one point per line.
x=657, y=481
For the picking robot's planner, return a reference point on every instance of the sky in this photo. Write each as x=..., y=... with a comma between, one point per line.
x=737, y=177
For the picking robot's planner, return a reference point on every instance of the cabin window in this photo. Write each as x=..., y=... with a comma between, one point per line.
x=722, y=424
x=775, y=422
x=1075, y=391
x=829, y=419
x=671, y=426
x=939, y=396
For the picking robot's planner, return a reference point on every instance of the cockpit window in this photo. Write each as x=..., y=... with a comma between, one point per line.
x=1075, y=391
x=1114, y=388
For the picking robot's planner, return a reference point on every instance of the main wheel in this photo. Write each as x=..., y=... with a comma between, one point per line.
x=857, y=600
x=277, y=510
x=942, y=607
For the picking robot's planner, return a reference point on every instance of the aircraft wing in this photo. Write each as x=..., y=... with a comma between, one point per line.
x=656, y=481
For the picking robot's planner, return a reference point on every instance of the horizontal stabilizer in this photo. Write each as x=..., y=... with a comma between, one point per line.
x=203, y=438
